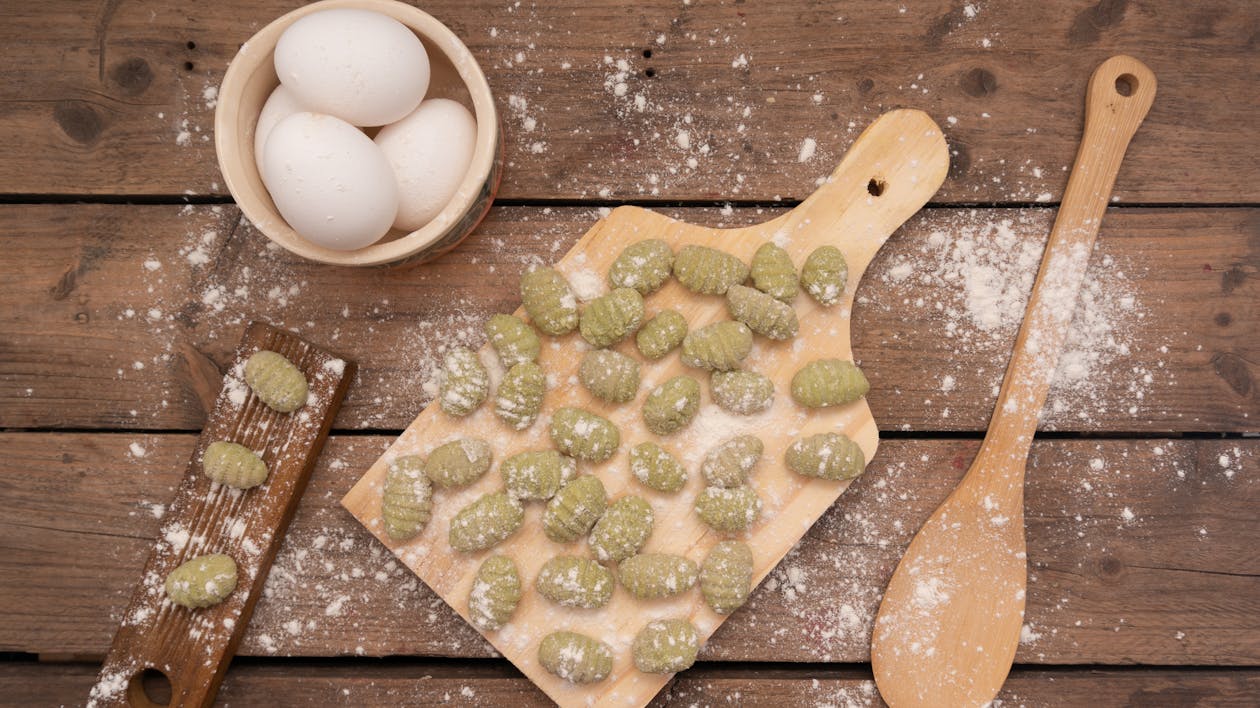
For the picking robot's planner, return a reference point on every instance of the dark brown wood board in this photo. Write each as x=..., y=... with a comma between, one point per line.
x=192, y=648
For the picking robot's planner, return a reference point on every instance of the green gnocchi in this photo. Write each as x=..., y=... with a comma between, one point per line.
x=729, y=510
x=584, y=435
x=643, y=265
x=520, y=396
x=465, y=382
x=825, y=275
x=829, y=382
x=536, y=474
x=486, y=522
x=742, y=392
x=610, y=376
x=495, y=593
x=573, y=581
x=610, y=318
x=575, y=657
x=655, y=468
x=276, y=381
x=458, y=462
x=708, y=271
x=661, y=334
x=574, y=509
x=826, y=456
x=622, y=530
x=203, y=581
x=773, y=273
x=407, y=498
x=671, y=406
x=720, y=346
x=666, y=646
x=549, y=301
x=726, y=576
x=650, y=576
x=514, y=341
x=234, y=465
x=730, y=462
x=762, y=313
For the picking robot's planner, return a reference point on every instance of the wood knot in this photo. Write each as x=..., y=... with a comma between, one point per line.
x=1234, y=370
x=1090, y=22
x=132, y=76
x=78, y=120
x=978, y=82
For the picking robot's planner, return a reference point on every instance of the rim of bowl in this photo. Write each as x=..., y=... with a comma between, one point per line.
x=267, y=220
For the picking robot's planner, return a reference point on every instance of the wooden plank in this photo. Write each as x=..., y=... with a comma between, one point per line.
x=359, y=684
x=124, y=316
x=117, y=100
x=1140, y=551
x=193, y=647
x=906, y=150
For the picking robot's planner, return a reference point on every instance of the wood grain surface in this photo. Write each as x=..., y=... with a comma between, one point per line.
x=112, y=99
x=1178, y=583
x=82, y=311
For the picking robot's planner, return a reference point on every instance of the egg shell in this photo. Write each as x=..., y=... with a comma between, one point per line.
x=430, y=152
x=361, y=66
x=329, y=181
x=280, y=105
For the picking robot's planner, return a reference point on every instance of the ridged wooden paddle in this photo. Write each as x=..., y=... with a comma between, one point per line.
x=950, y=620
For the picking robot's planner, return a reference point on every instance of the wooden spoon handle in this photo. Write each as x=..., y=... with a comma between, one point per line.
x=1120, y=94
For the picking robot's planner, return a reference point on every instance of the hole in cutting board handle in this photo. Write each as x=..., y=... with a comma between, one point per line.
x=149, y=687
x=876, y=186
x=1126, y=85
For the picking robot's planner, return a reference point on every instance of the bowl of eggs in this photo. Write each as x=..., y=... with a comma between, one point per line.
x=359, y=132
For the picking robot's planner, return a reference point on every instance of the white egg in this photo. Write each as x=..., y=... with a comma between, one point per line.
x=429, y=151
x=329, y=181
x=280, y=105
x=363, y=67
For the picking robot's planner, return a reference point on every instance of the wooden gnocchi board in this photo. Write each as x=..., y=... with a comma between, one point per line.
x=889, y=173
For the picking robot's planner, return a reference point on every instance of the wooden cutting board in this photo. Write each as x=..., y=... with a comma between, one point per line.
x=889, y=173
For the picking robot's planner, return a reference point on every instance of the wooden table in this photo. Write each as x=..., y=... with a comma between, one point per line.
x=128, y=275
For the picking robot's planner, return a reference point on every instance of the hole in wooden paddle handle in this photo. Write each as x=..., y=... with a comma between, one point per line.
x=1126, y=84
x=875, y=186
x=150, y=687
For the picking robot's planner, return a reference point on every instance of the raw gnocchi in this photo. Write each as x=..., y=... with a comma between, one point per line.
x=536, y=474
x=203, y=581
x=458, y=462
x=514, y=341
x=486, y=522
x=826, y=456
x=662, y=334
x=643, y=265
x=574, y=509
x=650, y=576
x=825, y=275
x=575, y=657
x=729, y=510
x=655, y=468
x=622, y=530
x=720, y=346
x=549, y=301
x=610, y=318
x=708, y=271
x=234, y=465
x=610, y=376
x=773, y=273
x=726, y=576
x=573, y=581
x=762, y=313
x=828, y=382
x=276, y=381
x=742, y=392
x=671, y=406
x=666, y=646
x=465, y=382
x=729, y=463
x=495, y=593
x=407, y=499
x=520, y=396
x=584, y=435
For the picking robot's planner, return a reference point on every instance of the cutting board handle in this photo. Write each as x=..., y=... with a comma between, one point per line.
x=889, y=173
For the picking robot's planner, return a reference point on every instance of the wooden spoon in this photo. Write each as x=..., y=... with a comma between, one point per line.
x=950, y=620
